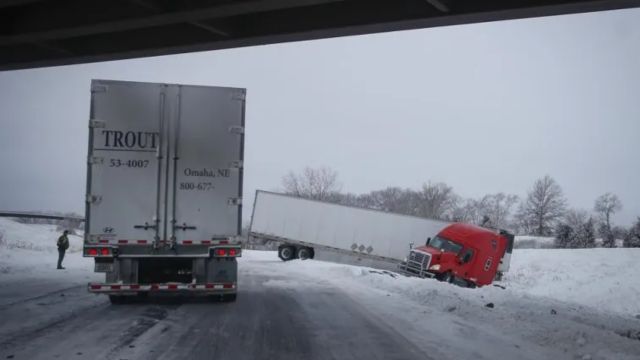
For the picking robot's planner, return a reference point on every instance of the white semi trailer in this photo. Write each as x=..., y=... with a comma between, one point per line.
x=303, y=226
x=164, y=188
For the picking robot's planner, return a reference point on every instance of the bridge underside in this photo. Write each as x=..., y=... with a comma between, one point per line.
x=37, y=33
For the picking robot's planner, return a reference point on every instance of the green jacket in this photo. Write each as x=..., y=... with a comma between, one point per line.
x=63, y=242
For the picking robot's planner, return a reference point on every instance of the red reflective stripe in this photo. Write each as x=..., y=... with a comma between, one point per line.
x=142, y=241
x=209, y=286
x=95, y=287
x=224, y=241
x=227, y=286
x=154, y=287
x=103, y=241
x=206, y=241
x=115, y=287
x=134, y=287
x=123, y=241
x=187, y=242
x=172, y=286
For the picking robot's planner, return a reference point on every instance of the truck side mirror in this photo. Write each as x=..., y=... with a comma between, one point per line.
x=410, y=246
x=428, y=241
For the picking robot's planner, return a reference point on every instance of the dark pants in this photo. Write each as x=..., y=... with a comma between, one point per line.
x=60, y=257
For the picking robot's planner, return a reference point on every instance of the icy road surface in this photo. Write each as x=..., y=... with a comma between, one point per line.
x=319, y=310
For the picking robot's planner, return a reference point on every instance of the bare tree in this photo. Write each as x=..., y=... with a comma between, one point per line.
x=392, y=199
x=491, y=210
x=542, y=208
x=496, y=208
x=606, y=205
x=436, y=201
x=318, y=184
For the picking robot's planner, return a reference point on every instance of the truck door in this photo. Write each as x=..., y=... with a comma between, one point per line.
x=123, y=177
x=206, y=164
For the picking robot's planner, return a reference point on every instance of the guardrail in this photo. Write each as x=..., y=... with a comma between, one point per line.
x=16, y=214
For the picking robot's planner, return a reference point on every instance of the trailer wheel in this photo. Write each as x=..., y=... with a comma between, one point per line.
x=304, y=253
x=286, y=252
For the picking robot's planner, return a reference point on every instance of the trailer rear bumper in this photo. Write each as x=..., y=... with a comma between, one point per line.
x=123, y=289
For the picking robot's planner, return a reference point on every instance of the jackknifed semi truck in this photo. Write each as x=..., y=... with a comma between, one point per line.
x=164, y=188
x=464, y=254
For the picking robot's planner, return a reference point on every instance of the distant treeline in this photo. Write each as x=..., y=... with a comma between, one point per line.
x=543, y=212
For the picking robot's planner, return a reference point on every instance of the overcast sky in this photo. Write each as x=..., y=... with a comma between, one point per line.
x=485, y=108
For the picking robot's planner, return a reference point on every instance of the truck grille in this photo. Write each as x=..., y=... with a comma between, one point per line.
x=418, y=262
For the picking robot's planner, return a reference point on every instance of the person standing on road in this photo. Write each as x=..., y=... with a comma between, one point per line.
x=63, y=245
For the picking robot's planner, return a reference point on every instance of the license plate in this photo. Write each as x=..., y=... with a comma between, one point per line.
x=104, y=267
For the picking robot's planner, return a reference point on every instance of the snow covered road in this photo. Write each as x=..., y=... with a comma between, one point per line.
x=321, y=310
x=316, y=322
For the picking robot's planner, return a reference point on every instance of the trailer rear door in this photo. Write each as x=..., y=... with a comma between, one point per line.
x=165, y=163
x=123, y=178
x=206, y=185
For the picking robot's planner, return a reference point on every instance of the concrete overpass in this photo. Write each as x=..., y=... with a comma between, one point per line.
x=36, y=33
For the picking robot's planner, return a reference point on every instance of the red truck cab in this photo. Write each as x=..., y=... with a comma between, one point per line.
x=464, y=254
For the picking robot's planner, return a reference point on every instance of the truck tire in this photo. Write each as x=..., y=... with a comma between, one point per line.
x=286, y=252
x=304, y=253
x=447, y=277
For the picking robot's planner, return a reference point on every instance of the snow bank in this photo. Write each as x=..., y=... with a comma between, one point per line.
x=606, y=279
x=31, y=250
x=569, y=319
x=602, y=279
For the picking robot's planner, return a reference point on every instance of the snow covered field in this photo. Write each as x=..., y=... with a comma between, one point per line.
x=556, y=303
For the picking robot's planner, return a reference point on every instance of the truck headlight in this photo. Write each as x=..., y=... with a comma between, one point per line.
x=435, y=267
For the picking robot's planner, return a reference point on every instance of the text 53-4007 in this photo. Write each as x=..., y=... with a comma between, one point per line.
x=128, y=163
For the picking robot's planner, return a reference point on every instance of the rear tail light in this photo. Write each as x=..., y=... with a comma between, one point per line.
x=226, y=252
x=104, y=252
x=92, y=252
x=221, y=252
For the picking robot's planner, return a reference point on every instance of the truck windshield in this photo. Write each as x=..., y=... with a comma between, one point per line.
x=445, y=245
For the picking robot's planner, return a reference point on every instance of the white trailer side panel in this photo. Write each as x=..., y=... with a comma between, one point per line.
x=348, y=228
